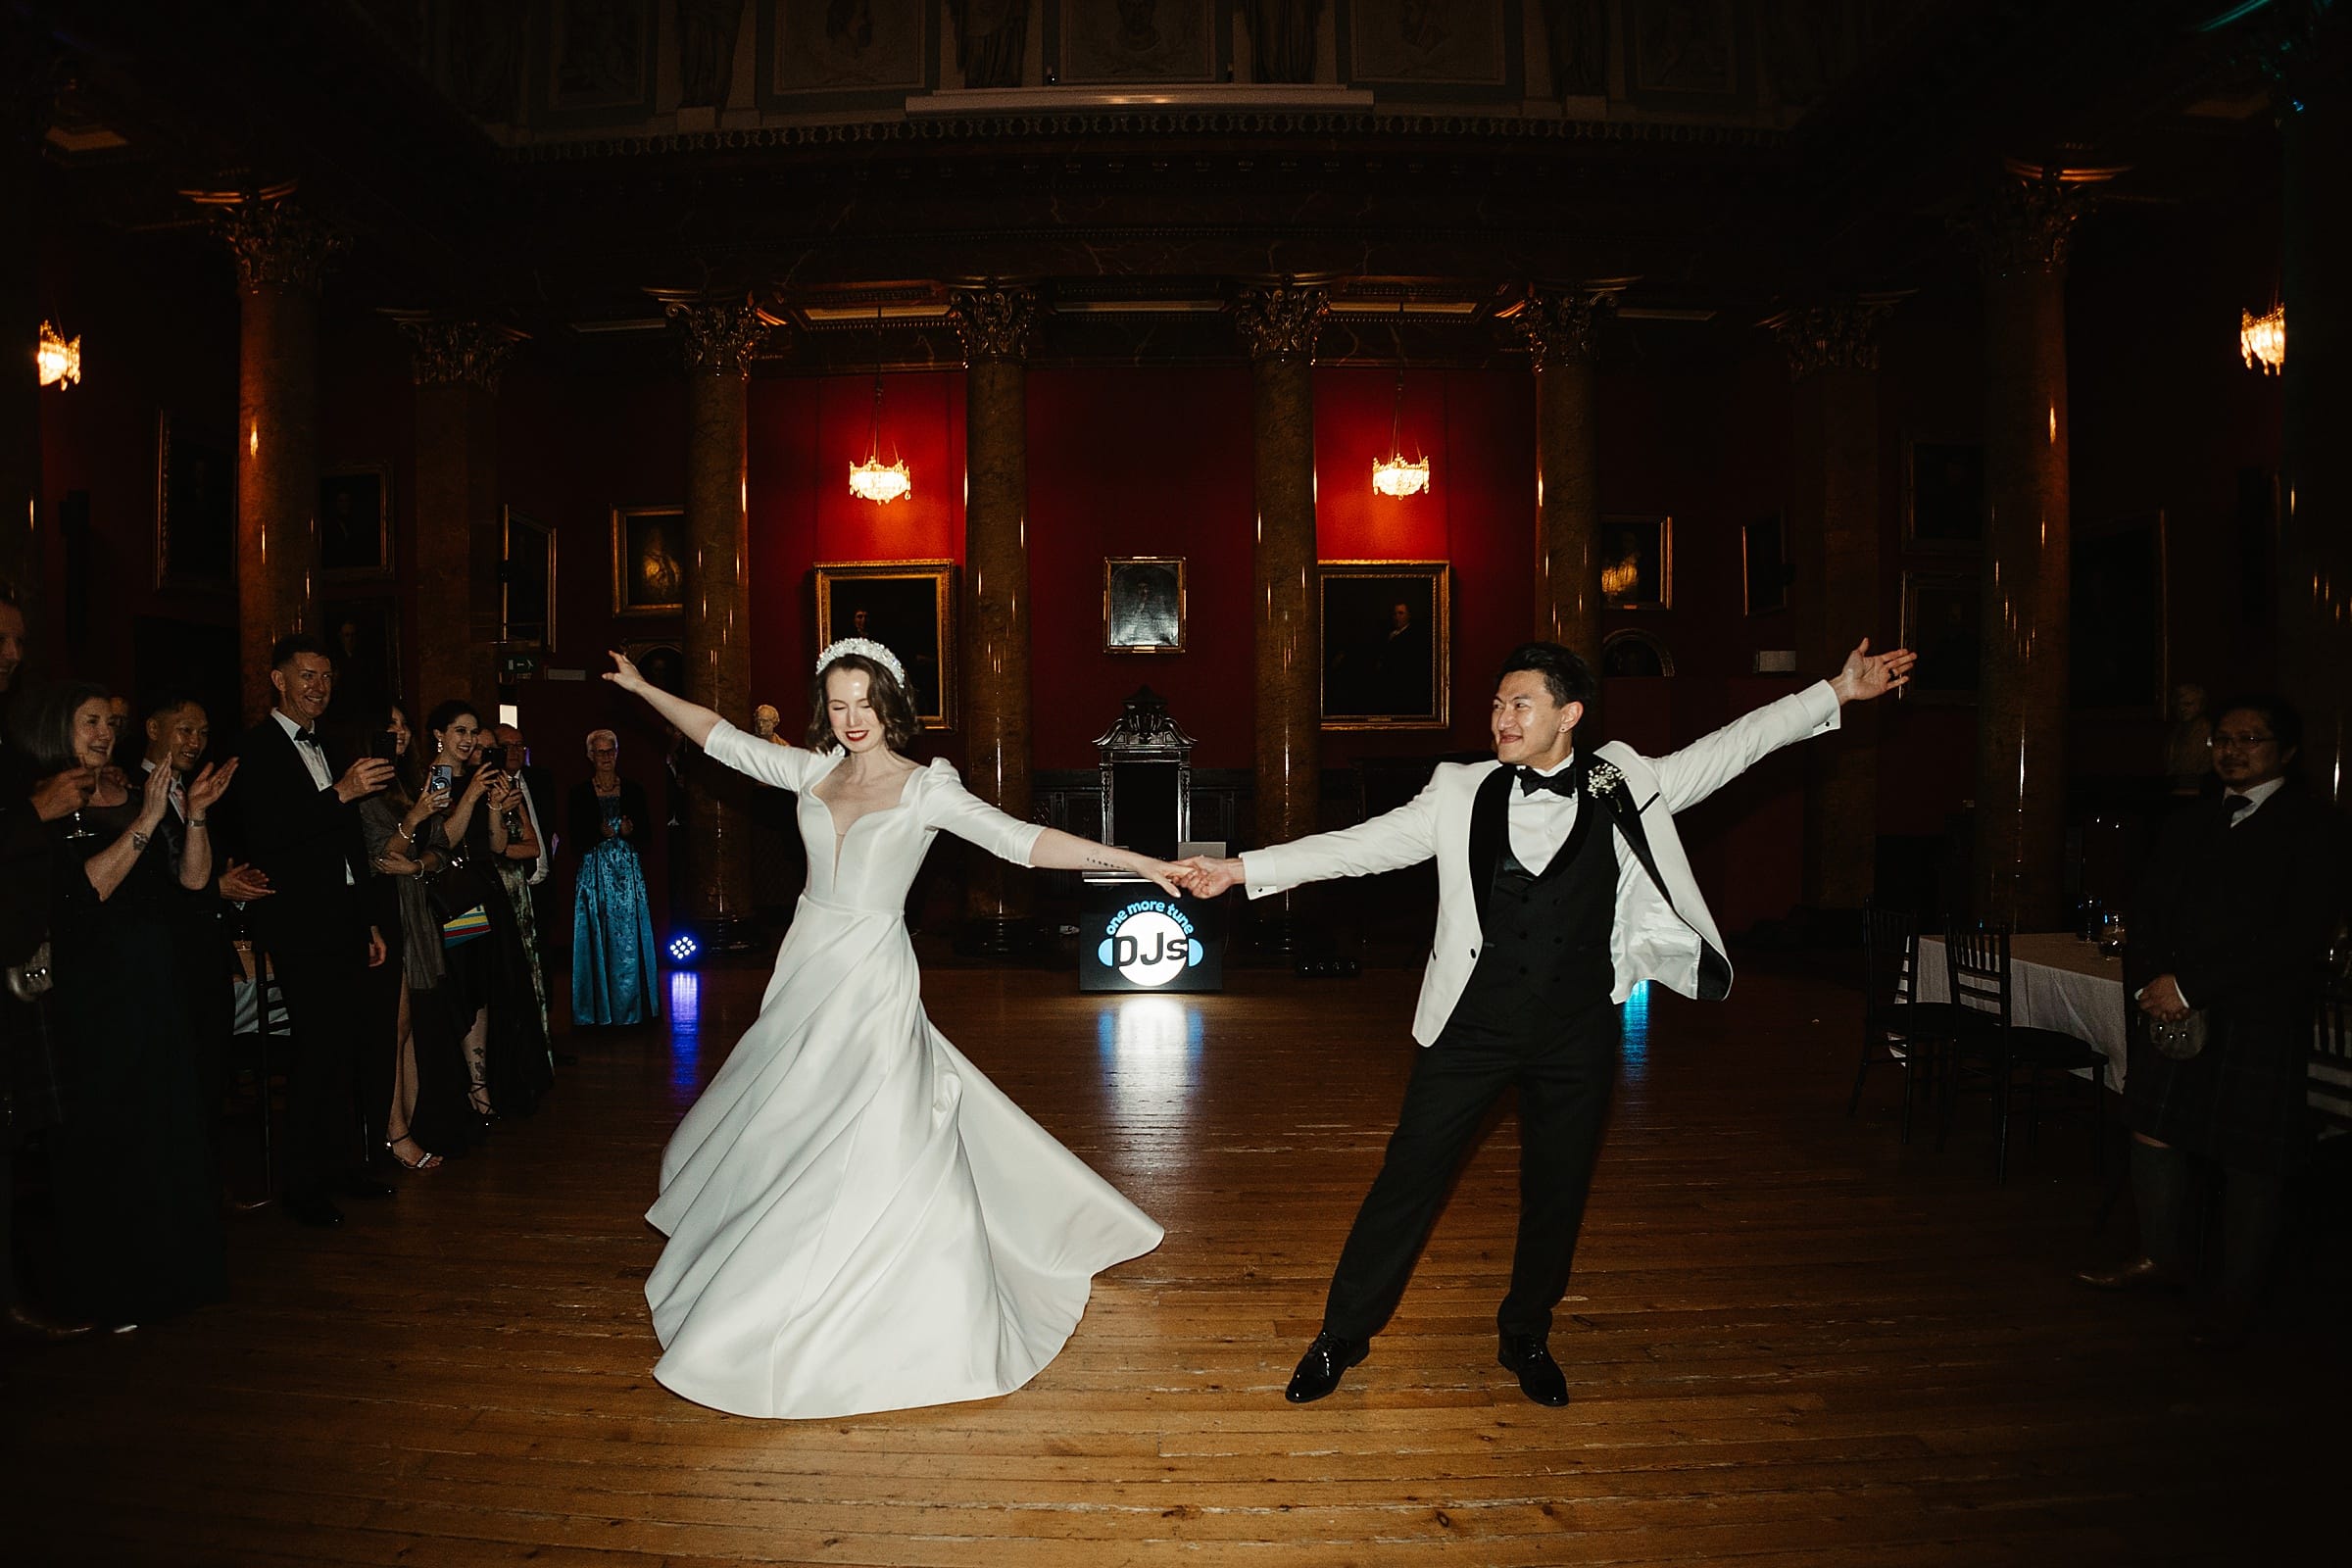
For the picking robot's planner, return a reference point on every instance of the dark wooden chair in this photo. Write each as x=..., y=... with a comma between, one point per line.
x=1999, y=1050
x=2329, y=1072
x=1898, y=1029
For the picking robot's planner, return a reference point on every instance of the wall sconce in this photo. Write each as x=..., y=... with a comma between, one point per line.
x=2262, y=339
x=59, y=358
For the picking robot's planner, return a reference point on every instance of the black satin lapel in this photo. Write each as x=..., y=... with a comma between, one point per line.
x=1489, y=819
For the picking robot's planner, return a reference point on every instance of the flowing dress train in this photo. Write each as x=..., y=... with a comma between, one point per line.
x=859, y=1220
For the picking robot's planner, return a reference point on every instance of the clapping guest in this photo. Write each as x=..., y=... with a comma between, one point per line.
x=539, y=798
x=427, y=1112
x=139, y=1236
x=612, y=962
x=488, y=984
x=523, y=861
x=300, y=822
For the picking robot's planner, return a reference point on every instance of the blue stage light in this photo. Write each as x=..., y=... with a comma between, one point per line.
x=684, y=948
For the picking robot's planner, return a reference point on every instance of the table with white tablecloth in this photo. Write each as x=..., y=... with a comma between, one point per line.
x=2055, y=982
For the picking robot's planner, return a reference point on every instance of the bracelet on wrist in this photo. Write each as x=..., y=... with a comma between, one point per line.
x=197, y=822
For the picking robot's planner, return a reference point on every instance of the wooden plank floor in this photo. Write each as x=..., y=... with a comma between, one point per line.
x=1788, y=1339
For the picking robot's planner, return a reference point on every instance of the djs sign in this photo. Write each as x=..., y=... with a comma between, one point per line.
x=1148, y=945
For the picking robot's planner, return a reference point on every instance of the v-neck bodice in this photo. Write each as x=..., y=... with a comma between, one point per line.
x=870, y=865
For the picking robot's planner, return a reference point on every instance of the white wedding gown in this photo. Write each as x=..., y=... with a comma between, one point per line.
x=859, y=1220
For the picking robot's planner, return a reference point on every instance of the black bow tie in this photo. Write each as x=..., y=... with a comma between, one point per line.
x=1562, y=783
x=2235, y=803
x=304, y=737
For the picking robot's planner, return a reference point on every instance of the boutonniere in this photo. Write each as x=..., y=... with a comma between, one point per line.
x=1602, y=779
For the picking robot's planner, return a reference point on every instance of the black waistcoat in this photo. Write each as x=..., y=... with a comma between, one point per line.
x=1546, y=955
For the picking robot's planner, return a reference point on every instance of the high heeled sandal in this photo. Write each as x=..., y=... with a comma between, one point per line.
x=430, y=1161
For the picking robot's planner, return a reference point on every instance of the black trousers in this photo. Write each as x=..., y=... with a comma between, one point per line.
x=329, y=1001
x=1565, y=1069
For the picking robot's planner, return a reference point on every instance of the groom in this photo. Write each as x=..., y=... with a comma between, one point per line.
x=1561, y=886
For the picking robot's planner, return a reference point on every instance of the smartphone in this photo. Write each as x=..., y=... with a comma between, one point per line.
x=438, y=778
x=383, y=746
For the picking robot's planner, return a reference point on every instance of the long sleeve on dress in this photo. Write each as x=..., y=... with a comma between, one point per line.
x=787, y=768
x=947, y=804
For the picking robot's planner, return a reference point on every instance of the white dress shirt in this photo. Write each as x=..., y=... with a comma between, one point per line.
x=313, y=758
x=2258, y=794
x=1541, y=822
x=531, y=807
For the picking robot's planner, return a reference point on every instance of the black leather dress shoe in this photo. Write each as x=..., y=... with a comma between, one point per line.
x=1320, y=1367
x=309, y=1208
x=1540, y=1376
x=2140, y=1274
x=359, y=1184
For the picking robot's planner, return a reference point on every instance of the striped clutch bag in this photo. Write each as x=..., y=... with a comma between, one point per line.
x=463, y=928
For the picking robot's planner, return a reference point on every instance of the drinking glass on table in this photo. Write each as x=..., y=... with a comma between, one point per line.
x=2111, y=935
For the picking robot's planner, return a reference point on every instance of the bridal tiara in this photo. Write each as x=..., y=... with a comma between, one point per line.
x=864, y=648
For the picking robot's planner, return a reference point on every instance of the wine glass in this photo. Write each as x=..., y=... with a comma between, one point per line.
x=2111, y=935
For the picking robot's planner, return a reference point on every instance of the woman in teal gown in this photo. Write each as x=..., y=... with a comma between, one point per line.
x=613, y=965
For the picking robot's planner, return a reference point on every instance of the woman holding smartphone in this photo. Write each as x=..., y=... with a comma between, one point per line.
x=487, y=982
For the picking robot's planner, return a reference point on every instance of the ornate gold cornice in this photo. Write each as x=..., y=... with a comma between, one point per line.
x=451, y=352
x=276, y=244
x=2026, y=225
x=1281, y=320
x=717, y=337
x=995, y=323
x=1562, y=326
x=1836, y=335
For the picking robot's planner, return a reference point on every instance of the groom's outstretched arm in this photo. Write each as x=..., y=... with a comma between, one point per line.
x=1700, y=768
x=1389, y=842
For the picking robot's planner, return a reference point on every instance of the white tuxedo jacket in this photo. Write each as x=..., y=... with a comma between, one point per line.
x=1662, y=932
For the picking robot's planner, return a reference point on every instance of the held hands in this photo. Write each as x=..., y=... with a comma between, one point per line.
x=61, y=795
x=1867, y=675
x=2161, y=999
x=208, y=786
x=1205, y=876
x=364, y=777
x=1165, y=875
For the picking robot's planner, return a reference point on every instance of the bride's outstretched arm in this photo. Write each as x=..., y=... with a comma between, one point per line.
x=690, y=719
x=1056, y=850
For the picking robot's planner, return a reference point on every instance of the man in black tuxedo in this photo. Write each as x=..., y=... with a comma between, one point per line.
x=299, y=824
x=2233, y=915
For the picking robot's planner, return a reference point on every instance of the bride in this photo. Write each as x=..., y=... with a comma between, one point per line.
x=859, y=1220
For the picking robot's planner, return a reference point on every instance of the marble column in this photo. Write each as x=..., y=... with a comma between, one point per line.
x=458, y=542
x=1834, y=523
x=996, y=325
x=2315, y=493
x=1280, y=324
x=281, y=254
x=1562, y=330
x=2018, y=866
x=718, y=338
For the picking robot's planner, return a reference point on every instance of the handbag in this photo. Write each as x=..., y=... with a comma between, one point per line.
x=2181, y=1040
x=459, y=900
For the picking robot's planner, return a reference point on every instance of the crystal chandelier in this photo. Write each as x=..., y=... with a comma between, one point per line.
x=2262, y=339
x=59, y=358
x=870, y=480
x=1393, y=475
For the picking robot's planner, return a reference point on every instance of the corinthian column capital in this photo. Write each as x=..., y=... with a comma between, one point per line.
x=716, y=337
x=1839, y=334
x=2026, y=224
x=446, y=353
x=1562, y=326
x=275, y=243
x=995, y=323
x=1281, y=320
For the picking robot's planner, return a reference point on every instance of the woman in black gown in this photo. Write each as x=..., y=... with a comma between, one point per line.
x=139, y=1229
x=487, y=981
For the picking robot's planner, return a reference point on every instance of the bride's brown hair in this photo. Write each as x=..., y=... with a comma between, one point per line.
x=900, y=726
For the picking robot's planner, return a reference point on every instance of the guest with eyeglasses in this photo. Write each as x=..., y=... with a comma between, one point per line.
x=2235, y=909
x=612, y=962
x=138, y=1231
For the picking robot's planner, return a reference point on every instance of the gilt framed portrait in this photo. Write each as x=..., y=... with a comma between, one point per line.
x=1142, y=604
x=1944, y=495
x=1941, y=624
x=527, y=582
x=1387, y=644
x=355, y=523
x=1637, y=563
x=823, y=54
x=195, y=509
x=908, y=606
x=362, y=637
x=649, y=560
